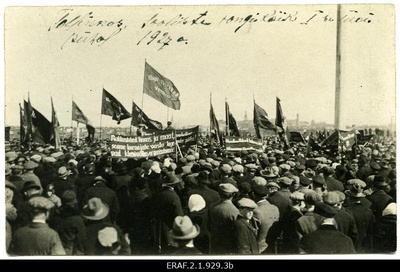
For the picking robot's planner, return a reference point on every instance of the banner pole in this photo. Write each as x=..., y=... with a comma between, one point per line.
x=77, y=133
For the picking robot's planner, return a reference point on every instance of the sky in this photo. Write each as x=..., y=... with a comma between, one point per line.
x=221, y=56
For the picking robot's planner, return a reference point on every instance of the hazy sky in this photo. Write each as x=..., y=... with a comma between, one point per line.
x=233, y=52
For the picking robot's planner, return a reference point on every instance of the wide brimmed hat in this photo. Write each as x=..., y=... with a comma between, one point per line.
x=267, y=174
x=95, y=209
x=184, y=229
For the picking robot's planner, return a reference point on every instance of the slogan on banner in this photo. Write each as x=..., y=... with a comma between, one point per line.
x=187, y=137
x=159, y=143
x=297, y=137
x=243, y=143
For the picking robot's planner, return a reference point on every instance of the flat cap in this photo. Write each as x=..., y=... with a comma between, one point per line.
x=319, y=179
x=331, y=198
x=246, y=203
x=228, y=188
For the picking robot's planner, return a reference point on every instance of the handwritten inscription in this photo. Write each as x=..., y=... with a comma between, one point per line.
x=86, y=28
x=163, y=31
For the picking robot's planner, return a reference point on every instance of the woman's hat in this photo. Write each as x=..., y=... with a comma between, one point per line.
x=184, y=229
x=95, y=209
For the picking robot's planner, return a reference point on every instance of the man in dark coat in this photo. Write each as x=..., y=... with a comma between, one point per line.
x=222, y=215
x=167, y=205
x=108, y=196
x=209, y=195
x=326, y=239
x=379, y=198
x=246, y=228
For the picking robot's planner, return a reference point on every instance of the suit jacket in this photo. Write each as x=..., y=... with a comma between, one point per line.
x=167, y=205
x=379, y=200
x=246, y=237
x=222, y=216
x=308, y=223
x=267, y=214
x=364, y=219
x=326, y=240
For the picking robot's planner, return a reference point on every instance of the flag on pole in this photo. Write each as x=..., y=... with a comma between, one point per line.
x=214, y=126
x=40, y=126
x=78, y=116
x=261, y=120
x=160, y=88
x=112, y=107
x=231, y=122
x=139, y=117
x=55, y=135
x=23, y=127
x=280, y=122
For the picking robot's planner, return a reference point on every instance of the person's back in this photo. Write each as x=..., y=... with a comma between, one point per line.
x=37, y=238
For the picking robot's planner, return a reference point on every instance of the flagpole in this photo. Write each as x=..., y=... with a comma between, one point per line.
x=72, y=112
x=77, y=133
x=338, y=70
x=167, y=114
x=227, y=117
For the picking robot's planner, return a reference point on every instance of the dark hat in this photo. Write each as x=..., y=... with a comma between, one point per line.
x=319, y=179
x=245, y=187
x=379, y=181
x=203, y=178
x=30, y=185
x=273, y=184
x=311, y=163
x=304, y=181
x=184, y=229
x=327, y=170
x=69, y=197
x=260, y=190
x=146, y=166
x=300, y=167
x=95, y=209
x=384, y=164
x=246, y=203
x=325, y=210
x=375, y=166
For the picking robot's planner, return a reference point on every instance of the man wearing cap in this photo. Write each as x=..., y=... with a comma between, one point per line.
x=167, y=206
x=319, y=184
x=246, y=228
x=37, y=238
x=29, y=167
x=332, y=184
x=379, y=198
x=310, y=221
x=70, y=225
x=276, y=199
x=16, y=177
x=345, y=221
x=62, y=183
x=266, y=213
x=210, y=196
x=363, y=216
x=222, y=216
x=326, y=239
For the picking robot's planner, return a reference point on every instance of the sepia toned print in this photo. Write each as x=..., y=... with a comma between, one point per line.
x=200, y=130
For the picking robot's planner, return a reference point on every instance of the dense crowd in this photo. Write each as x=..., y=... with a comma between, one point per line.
x=78, y=200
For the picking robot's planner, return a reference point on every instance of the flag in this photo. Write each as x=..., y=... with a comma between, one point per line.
x=214, y=126
x=280, y=122
x=112, y=107
x=40, y=126
x=139, y=117
x=231, y=122
x=261, y=120
x=28, y=121
x=78, y=116
x=23, y=127
x=160, y=88
x=54, y=134
x=346, y=140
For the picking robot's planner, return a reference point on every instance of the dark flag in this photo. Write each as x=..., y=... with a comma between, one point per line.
x=280, y=122
x=261, y=120
x=112, y=107
x=214, y=126
x=28, y=121
x=160, y=88
x=78, y=116
x=231, y=122
x=23, y=127
x=54, y=136
x=139, y=117
x=40, y=126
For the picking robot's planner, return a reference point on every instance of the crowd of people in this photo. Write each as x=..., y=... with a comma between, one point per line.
x=78, y=200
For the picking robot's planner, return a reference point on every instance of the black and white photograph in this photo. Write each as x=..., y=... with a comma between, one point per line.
x=216, y=131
